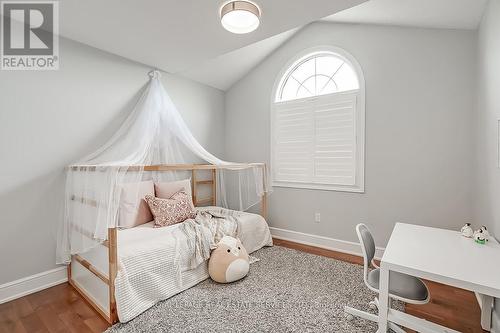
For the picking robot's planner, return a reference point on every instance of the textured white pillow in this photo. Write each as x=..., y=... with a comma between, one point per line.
x=134, y=210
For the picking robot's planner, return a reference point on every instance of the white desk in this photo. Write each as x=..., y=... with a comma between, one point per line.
x=438, y=255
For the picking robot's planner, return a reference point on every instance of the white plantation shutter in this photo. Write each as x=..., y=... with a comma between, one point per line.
x=314, y=141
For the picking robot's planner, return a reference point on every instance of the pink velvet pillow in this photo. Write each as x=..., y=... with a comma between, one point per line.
x=176, y=209
x=133, y=210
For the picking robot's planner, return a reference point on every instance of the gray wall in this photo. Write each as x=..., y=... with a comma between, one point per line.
x=488, y=114
x=50, y=119
x=419, y=138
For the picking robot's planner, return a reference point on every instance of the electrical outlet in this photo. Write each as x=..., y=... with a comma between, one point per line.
x=317, y=217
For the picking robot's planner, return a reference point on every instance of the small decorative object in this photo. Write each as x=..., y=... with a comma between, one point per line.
x=229, y=261
x=486, y=234
x=467, y=231
x=479, y=237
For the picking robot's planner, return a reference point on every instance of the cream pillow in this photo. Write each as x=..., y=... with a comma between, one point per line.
x=166, y=189
x=133, y=209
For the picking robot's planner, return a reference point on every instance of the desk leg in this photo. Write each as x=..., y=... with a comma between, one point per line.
x=486, y=311
x=383, y=309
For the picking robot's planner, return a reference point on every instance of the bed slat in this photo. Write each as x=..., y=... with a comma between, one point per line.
x=91, y=268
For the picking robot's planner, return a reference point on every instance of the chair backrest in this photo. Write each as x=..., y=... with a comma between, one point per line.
x=367, y=246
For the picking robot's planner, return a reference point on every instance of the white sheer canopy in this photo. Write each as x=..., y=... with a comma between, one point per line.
x=153, y=134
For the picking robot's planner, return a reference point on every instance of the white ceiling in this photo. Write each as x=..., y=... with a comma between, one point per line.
x=175, y=35
x=225, y=70
x=449, y=14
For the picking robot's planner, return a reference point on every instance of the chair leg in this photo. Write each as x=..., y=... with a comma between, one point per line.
x=361, y=314
x=396, y=328
x=371, y=317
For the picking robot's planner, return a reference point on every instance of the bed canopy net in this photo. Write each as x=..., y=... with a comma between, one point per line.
x=154, y=134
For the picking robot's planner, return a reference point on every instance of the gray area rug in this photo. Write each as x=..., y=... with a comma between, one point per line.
x=286, y=291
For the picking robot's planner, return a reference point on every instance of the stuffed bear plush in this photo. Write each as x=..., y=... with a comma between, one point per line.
x=229, y=261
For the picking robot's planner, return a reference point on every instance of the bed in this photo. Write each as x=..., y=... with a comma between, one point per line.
x=137, y=267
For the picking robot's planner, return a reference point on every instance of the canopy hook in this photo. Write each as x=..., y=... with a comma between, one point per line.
x=154, y=74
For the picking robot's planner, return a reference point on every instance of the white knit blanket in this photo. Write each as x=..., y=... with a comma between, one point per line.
x=195, y=238
x=157, y=263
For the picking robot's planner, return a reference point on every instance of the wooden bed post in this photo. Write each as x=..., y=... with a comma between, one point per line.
x=113, y=259
x=69, y=271
x=264, y=195
x=214, y=187
x=194, y=186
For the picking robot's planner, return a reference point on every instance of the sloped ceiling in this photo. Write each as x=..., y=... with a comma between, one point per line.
x=448, y=14
x=176, y=35
x=225, y=70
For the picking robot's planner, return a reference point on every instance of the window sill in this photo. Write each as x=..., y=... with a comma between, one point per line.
x=321, y=187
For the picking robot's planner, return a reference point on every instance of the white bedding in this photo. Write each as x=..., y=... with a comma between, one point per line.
x=150, y=262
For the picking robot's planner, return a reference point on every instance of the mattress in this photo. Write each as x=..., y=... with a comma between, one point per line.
x=253, y=232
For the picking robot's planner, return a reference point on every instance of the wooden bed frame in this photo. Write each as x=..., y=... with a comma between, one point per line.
x=111, y=243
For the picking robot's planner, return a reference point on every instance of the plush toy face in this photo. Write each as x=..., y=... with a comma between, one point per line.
x=479, y=237
x=229, y=261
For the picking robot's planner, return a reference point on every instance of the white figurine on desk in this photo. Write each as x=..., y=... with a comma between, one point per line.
x=485, y=233
x=467, y=231
x=480, y=237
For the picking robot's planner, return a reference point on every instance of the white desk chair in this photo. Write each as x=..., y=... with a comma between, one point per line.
x=406, y=288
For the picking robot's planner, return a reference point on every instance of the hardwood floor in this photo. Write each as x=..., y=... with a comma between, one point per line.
x=57, y=309
x=61, y=309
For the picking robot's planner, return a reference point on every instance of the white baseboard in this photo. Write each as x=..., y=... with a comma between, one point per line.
x=31, y=284
x=322, y=242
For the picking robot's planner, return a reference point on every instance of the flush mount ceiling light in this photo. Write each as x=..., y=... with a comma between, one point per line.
x=240, y=17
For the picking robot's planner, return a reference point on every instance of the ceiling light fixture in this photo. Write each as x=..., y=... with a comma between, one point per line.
x=240, y=17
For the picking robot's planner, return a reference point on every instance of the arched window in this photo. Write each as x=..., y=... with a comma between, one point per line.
x=317, y=74
x=318, y=123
